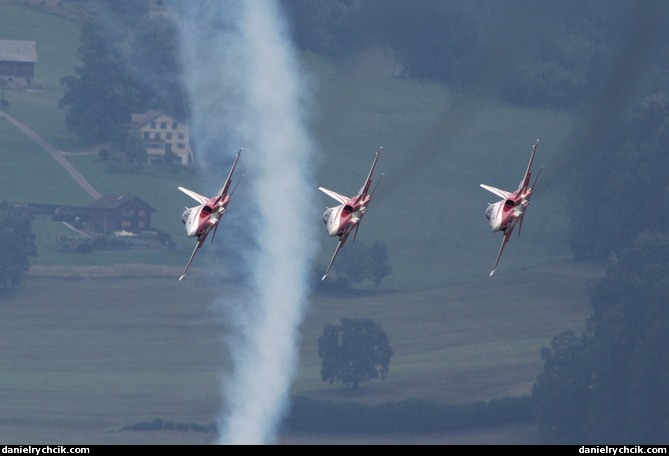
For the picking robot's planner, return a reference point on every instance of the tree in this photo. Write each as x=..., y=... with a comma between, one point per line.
x=100, y=99
x=353, y=352
x=611, y=385
x=562, y=391
x=359, y=263
x=620, y=174
x=135, y=151
x=128, y=65
x=627, y=346
x=17, y=245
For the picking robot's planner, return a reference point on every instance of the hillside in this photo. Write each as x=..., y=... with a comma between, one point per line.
x=438, y=146
x=117, y=352
x=84, y=358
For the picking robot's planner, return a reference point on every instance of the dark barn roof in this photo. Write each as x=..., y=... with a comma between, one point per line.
x=18, y=51
x=115, y=201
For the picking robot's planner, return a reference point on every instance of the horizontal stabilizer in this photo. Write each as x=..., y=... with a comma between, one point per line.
x=496, y=191
x=197, y=197
x=341, y=198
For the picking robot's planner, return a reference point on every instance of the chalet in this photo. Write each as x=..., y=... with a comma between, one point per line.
x=163, y=134
x=17, y=63
x=118, y=213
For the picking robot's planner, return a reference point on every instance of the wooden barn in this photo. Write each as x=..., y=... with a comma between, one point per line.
x=17, y=63
x=118, y=213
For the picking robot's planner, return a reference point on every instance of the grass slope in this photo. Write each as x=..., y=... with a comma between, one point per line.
x=474, y=341
x=437, y=148
x=82, y=358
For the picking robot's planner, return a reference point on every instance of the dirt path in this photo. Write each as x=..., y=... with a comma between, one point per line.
x=55, y=154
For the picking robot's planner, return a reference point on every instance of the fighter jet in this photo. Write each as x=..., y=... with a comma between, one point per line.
x=341, y=220
x=200, y=220
x=505, y=214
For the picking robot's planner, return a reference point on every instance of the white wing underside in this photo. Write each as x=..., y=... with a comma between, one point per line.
x=496, y=191
x=341, y=198
x=197, y=197
x=339, y=246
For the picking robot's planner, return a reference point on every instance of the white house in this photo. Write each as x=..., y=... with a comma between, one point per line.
x=162, y=134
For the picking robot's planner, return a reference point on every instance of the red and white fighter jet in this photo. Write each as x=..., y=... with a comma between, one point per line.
x=505, y=214
x=200, y=220
x=340, y=220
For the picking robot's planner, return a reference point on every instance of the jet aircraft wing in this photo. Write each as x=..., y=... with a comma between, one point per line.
x=501, y=249
x=339, y=246
x=368, y=182
x=226, y=187
x=197, y=247
x=520, y=222
x=526, y=179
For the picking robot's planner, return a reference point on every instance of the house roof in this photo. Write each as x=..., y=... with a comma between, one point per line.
x=18, y=51
x=115, y=201
x=139, y=119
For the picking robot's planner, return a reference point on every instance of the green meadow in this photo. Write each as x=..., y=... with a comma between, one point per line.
x=86, y=350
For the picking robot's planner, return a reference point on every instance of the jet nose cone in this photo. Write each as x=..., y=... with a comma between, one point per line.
x=495, y=224
x=191, y=229
x=332, y=229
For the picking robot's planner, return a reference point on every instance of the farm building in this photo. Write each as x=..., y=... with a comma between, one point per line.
x=17, y=63
x=118, y=213
x=162, y=134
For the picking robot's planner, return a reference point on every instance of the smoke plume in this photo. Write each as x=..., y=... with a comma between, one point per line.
x=246, y=90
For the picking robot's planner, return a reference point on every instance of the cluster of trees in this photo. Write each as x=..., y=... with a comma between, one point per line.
x=354, y=352
x=553, y=55
x=409, y=415
x=611, y=384
x=128, y=65
x=544, y=54
x=17, y=244
x=356, y=264
x=609, y=59
x=618, y=186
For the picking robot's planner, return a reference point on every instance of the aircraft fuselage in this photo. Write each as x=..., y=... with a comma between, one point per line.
x=504, y=214
x=199, y=220
x=341, y=219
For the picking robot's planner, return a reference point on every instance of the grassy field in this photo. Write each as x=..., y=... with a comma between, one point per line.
x=81, y=358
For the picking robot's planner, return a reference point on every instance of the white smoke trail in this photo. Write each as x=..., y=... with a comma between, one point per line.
x=244, y=85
